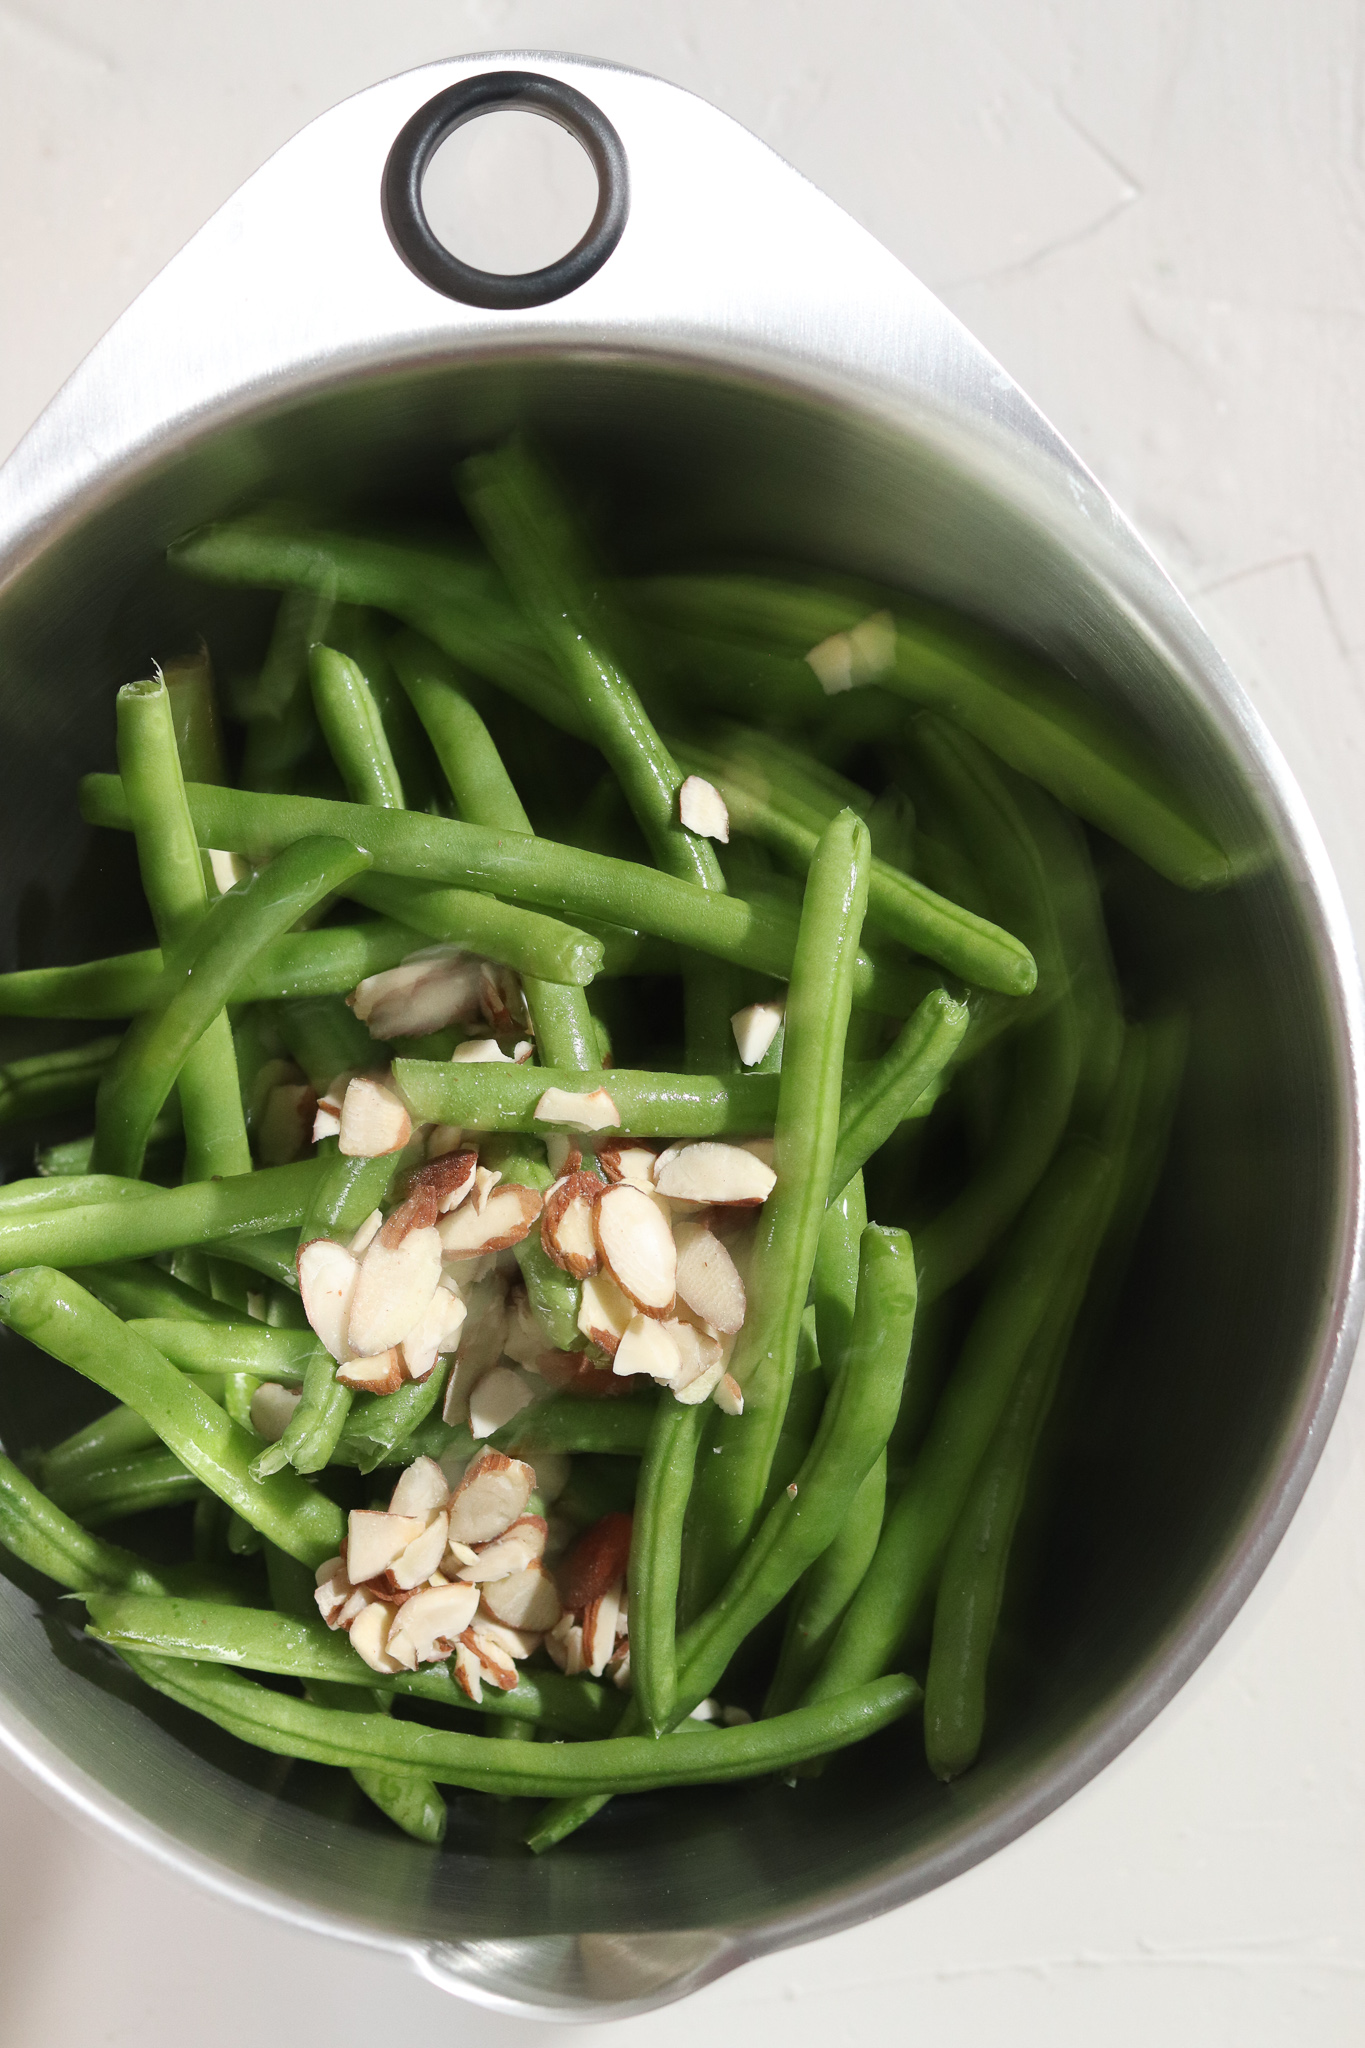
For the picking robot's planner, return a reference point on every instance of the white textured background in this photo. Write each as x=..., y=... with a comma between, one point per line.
x=1154, y=214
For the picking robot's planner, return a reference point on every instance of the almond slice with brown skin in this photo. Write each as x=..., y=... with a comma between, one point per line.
x=582, y=1378
x=374, y=1121
x=517, y=1643
x=628, y=1159
x=506, y=1218
x=501, y=998
x=382, y=1374
x=599, y=1629
x=393, y=1291
x=566, y=1230
x=701, y=808
x=648, y=1347
x=375, y=1539
x=429, y=991
x=528, y=1599
x=496, y=1667
x=327, y=1281
x=284, y=1128
x=708, y=1279
x=710, y=1172
x=489, y=1498
x=418, y=1211
x=517, y=1547
x=728, y=1396
x=604, y=1313
x=432, y=1622
x=564, y=1156
x=468, y=1672
x=421, y=1490
x=449, y=1178
x=593, y=1111
x=637, y=1247
x=596, y=1561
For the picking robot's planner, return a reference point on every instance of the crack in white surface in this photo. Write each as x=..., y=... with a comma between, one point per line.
x=1305, y=558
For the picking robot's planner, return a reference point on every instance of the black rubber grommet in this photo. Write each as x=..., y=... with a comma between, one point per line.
x=406, y=220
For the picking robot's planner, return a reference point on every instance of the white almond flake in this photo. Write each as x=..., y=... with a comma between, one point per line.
x=728, y=1397
x=479, y=1051
x=394, y=1291
x=565, y=1645
x=604, y=1313
x=284, y=1128
x=552, y=1474
x=516, y=1643
x=648, y=1347
x=366, y=1235
x=373, y=1119
x=430, y=1624
x=620, y=1671
x=272, y=1410
x=599, y=1629
x=637, y=1247
x=468, y=1672
x=702, y=1385
x=430, y=990
x=566, y=1224
x=370, y=1635
x=521, y=1545
x=500, y=1394
x=421, y=1490
x=705, y=1710
x=496, y=1667
x=624, y=1160
x=591, y=1112
x=485, y=1180
x=761, y=1148
x=333, y=1591
x=711, y=1172
x=443, y=1138
x=415, y=1565
x=755, y=1029
x=437, y=1333
x=701, y=808
x=527, y=1599
x=374, y=1540
x=382, y=1374
x=708, y=1279
x=490, y=1497
x=326, y=1121
x=832, y=661
x=699, y=1349
x=327, y=1281
x=735, y=1717
x=228, y=869
x=872, y=643
x=506, y=1218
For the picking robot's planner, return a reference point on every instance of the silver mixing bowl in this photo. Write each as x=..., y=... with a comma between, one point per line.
x=746, y=369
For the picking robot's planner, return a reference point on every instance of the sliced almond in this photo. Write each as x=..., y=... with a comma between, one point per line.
x=370, y=1636
x=832, y=661
x=284, y=1128
x=326, y=1120
x=228, y=869
x=374, y=1540
x=566, y=1230
x=628, y=1159
x=422, y=1489
x=480, y=1052
x=432, y=1622
x=382, y=1374
x=597, y=1561
x=442, y=1139
x=711, y=1172
x=495, y=1666
x=872, y=643
x=565, y=1645
x=449, y=1179
x=486, y=1179
x=506, y=1218
x=468, y=1671
x=394, y=1291
x=701, y=808
x=499, y=1395
x=521, y=1545
x=489, y=1498
x=366, y=1234
x=553, y=1471
x=518, y=1643
x=501, y=998
x=417, y=1212
x=701, y=1386
x=755, y=1028
x=762, y=1148
x=604, y=1313
x=589, y=1112
x=373, y=1119
x=708, y=1278
x=429, y=991
x=327, y=1281
x=620, y=1668
x=581, y=1377
x=333, y=1591
x=564, y=1156
x=415, y=1565
x=699, y=1349
x=599, y=1630
x=526, y=1338
x=648, y=1347
x=637, y=1247
x=728, y=1396
x=528, y=1599
x=272, y=1410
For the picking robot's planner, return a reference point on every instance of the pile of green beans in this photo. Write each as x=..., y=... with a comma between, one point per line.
x=490, y=751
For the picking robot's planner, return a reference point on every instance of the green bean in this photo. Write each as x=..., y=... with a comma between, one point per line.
x=69, y=1324
x=218, y=1212
x=1004, y=697
x=535, y=871
x=826, y=1588
x=353, y=729
x=272, y=1253
x=133, y=1290
x=901, y=907
x=918, y=1527
x=734, y=1477
x=377, y=1426
x=195, y=986
x=525, y=525
x=325, y=1037
x=563, y=1423
x=38, y=1533
x=542, y=947
x=289, y=1727
x=346, y=1191
x=553, y=1294
x=173, y=881
x=133, y=1484
x=281, y=727
x=479, y=1095
x=50, y=1082
x=281, y=1355
x=113, y=1435
x=486, y=795
x=889, y=1091
x=834, y=1280
x=665, y=1486
x=194, y=716
x=72, y=1160
x=303, y=1647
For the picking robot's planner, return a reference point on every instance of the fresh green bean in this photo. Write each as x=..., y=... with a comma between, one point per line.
x=194, y=716
x=482, y=1095
x=618, y=1428
x=834, y=1280
x=72, y=1160
x=69, y=1324
x=376, y=1427
x=138, y=1290
x=826, y=1588
x=543, y=872
x=289, y=1727
x=326, y=1038
x=173, y=880
x=918, y=1527
x=272, y=1253
x=665, y=1486
x=249, y=1347
x=39, y=1534
x=133, y=1484
x=345, y=1192
x=281, y=727
x=552, y=1293
x=111, y=1436
x=353, y=729
x=518, y=511
x=733, y=1479
x=221, y=1213
x=201, y=975
x=542, y=947
x=302, y=1647
x=49, y=1082
x=890, y=1089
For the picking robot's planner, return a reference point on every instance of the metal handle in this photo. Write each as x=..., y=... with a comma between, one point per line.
x=420, y=138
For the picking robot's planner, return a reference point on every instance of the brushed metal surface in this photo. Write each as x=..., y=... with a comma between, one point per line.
x=748, y=370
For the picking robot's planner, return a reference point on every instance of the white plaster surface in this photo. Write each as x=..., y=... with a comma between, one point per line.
x=1154, y=214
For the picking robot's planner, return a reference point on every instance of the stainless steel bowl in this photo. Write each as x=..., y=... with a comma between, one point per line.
x=746, y=367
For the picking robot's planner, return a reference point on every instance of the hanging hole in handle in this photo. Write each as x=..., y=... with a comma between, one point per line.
x=439, y=265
